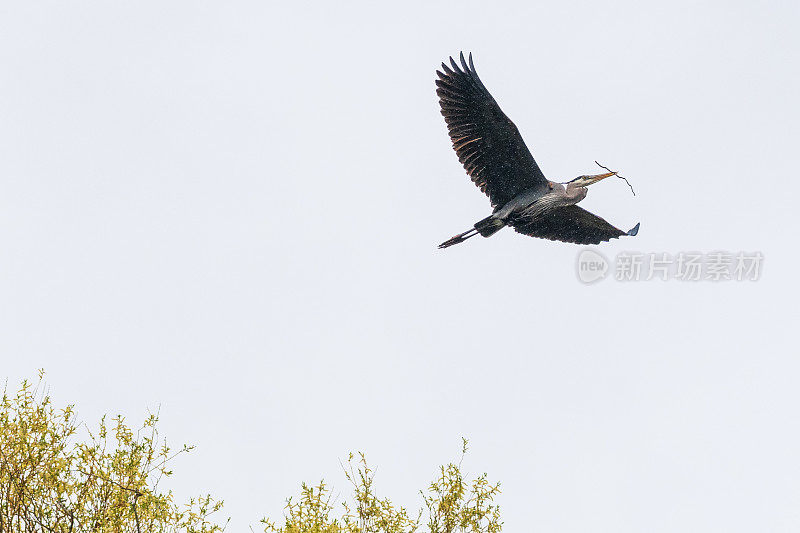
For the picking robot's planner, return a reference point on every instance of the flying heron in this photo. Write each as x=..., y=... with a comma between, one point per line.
x=494, y=155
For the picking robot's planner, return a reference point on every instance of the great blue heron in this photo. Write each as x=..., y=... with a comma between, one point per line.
x=494, y=155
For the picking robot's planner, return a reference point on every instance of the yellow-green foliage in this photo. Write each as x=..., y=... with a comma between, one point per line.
x=451, y=505
x=50, y=481
x=58, y=476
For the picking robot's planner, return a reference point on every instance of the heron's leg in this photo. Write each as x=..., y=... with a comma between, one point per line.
x=461, y=237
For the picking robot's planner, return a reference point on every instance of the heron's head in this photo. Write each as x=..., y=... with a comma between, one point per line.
x=585, y=181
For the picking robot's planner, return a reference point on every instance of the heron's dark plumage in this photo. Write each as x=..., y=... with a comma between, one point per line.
x=487, y=143
x=571, y=224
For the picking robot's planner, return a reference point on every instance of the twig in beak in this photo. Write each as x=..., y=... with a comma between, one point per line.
x=617, y=175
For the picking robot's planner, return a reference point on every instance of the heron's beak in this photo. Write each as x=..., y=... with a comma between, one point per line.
x=594, y=179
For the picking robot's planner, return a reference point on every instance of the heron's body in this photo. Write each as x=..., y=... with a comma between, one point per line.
x=493, y=153
x=535, y=202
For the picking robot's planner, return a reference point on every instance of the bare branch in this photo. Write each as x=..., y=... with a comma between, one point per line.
x=617, y=175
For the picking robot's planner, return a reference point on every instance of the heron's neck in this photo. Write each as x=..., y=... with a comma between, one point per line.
x=576, y=193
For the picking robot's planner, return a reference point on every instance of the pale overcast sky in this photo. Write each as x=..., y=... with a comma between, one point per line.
x=231, y=210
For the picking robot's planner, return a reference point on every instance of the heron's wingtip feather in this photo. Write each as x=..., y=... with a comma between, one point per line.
x=634, y=230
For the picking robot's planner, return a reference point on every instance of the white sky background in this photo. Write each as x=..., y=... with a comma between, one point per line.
x=231, y=210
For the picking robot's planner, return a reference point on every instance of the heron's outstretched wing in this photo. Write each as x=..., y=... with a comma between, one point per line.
x=571, y=224
x=487, y=143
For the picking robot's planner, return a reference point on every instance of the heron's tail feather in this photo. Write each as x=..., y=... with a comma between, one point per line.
x=486, y=227
x=461, y=237
x=489, y=226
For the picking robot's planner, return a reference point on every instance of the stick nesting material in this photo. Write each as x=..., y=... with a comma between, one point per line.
x=617, y=175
